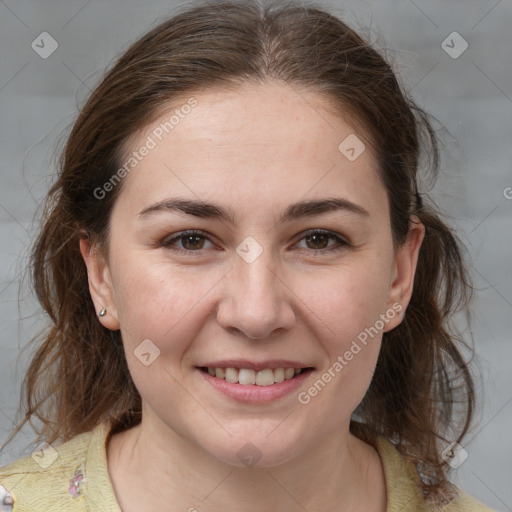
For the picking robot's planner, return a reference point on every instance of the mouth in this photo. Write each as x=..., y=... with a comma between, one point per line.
x=252, y=383
x=252, y=377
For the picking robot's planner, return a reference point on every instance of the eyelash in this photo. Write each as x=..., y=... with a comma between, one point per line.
x=342, y=243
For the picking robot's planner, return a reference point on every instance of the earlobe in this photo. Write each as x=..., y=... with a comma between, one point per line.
x=100, y=284
x=404, y=270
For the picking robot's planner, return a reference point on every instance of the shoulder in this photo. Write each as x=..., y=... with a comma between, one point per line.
x=465, y=502
x=403, y=484
x=51, y=478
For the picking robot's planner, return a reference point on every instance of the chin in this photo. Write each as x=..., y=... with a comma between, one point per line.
x=255, y=450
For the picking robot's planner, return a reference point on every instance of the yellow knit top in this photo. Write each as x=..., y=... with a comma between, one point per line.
x=73, y=477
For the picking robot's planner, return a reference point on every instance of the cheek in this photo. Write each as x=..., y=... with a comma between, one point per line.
x=169, y=308
x=161, y=302
x=347, y=299
x=346, y=317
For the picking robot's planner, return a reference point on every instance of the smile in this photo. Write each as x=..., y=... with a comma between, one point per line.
x=247, y=376
x=247, y=385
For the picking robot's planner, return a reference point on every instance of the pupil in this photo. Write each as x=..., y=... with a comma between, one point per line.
x=315, y=239
x=189, y=238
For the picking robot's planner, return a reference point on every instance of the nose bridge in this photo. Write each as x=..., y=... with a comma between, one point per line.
x=257, y=279
x=255, y=303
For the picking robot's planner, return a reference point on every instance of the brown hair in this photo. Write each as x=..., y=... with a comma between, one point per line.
x=79, y=374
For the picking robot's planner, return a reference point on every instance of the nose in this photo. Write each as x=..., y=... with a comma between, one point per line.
x=256, y=299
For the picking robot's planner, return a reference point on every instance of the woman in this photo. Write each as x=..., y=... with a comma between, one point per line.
x=251, y=302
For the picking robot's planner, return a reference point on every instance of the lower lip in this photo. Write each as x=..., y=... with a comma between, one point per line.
x=250, y=393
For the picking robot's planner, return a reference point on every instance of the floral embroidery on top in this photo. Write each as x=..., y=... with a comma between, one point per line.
x=77, y=482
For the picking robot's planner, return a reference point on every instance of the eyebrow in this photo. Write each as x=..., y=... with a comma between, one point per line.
x=295, y=211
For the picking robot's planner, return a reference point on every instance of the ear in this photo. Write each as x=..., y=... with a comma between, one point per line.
x=404, y=269
x=100, y=283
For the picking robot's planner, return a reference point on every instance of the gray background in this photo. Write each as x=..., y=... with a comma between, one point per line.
x=470, y=95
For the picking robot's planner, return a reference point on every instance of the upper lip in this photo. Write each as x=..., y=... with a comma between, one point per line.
x=256, y=366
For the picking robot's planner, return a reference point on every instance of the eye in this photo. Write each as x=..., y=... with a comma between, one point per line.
x=317, y=240
x=191, y=240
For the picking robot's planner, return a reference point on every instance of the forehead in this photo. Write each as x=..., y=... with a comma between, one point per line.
x=251, y=139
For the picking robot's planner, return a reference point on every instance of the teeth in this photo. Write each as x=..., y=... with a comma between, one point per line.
x=247, y=376
x=265, y=378
x=279, y=375
x=289, y=373
x=232, y=375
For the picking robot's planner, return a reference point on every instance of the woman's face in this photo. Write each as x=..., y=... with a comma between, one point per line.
x=270, y=280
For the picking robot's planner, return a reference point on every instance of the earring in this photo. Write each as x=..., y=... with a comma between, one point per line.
x=103, y=312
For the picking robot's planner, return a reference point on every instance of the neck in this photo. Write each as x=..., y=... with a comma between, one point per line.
x=341, y=473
